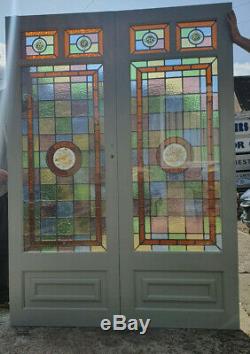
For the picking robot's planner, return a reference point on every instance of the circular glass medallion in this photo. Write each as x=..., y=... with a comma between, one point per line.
x=150, y=39
x=83, y=43
x=64, y=158
x=196, y=37
x=174, y=155
x=39, y=45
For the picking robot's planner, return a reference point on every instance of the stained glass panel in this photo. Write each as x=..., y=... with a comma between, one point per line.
x=84, y=42
x=196, y=36
x=63, y=159
x=175, y=155
x=149, y=38
x=41, y=45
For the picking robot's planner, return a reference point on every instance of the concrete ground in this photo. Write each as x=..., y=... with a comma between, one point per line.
x=39, y=340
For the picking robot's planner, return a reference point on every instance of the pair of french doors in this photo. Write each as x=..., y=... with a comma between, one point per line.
x=121, y=169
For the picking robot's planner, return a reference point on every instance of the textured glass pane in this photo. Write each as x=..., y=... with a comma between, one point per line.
x=175, y=155
x=63, y=159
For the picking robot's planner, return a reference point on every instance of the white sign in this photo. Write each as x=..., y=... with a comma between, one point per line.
x=243, y=162
x=243, y=179
x=242, y=145
x=242, y=127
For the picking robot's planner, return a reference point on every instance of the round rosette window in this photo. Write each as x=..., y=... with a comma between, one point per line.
x=39, y=45
x=84, y=43
x=196, y=37
x=64, y=158
x=150, y=39
x=174, y=155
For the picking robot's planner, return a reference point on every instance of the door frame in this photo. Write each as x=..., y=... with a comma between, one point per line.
x=142, y=269
x=100, y=271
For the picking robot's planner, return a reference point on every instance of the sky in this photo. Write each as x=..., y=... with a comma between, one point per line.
x=34, y=7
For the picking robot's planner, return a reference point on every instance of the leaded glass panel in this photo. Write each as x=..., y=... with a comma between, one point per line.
x=175, y=155
x=63, y=158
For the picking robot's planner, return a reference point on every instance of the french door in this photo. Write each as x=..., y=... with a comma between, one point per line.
x=123, y=170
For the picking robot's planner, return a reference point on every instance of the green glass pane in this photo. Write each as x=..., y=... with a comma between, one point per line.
x=147, y=225
x=82, y=226
x=47, y=126
x=45, y=80
x=43, y=159
x=136, y=225
x=216, y=120
x=64, y=192
x=132, y=72
x=134, y=140
x=25, y=160
x=85, y=159
x=36, y=159
x=48, y=192
x=191, y=103
x=46, y=109
x=190, y=61
x=156, y=174
x=203, y=119
x=63, y=125
x=146, y=191
x=64, y=226
x=204, y=155
x=158, y=207
x=49, y=50
x=79, y=90
x=193, y=190
x=170, y=133
x=93, y=48
x=34, y=91
x=140, y=34
x=74, y=49
x=49, y=39
x=135, y=190
x=185, y=31
x=63, y=108
x=156, y=104
x=176, y=236
x=159, y=33
x=177, y=248
x=216, y=153
x=81, y=192
x=45, y=68
x=191, y=73
x=218, y=225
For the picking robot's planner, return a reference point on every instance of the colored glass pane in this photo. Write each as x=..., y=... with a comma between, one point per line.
x=149, y=38
x=63, y=160
x=196, y=35
x=83, y=42
x=40, y=45
x=174, y=140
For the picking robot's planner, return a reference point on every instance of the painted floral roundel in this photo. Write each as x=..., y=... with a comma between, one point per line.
x=64, y=158
x=174, y=154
